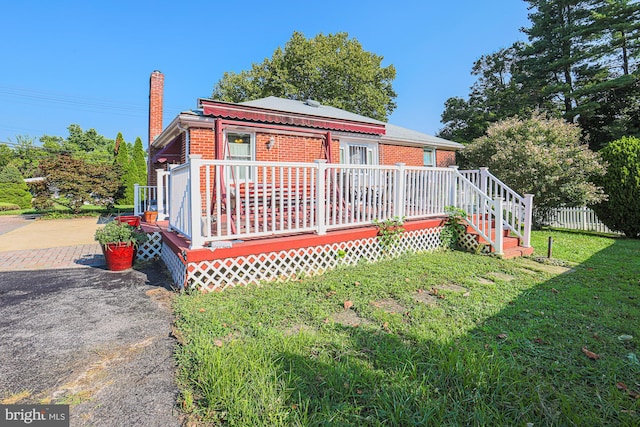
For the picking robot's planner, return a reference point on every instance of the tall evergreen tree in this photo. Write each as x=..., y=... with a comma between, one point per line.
x=13, y=189
x=140, y=161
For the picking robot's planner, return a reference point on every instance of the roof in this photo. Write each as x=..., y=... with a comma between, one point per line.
x=309, y=108
x=400, y=134
x=301, y=113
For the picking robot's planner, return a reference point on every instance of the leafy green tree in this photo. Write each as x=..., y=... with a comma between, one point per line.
x=26, y=156
x=140, y=162
x=331, y=69
x=540, y=156
x=621, y=210
x=6, y=155
x=494, y=96
x=88, y=145
x=13, y=189
x=80, y=182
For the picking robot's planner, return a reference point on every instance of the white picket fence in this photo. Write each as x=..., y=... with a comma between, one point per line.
x=581, y=218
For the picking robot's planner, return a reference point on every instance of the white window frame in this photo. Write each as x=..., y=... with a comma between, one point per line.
x=371, y=151
x=252, y=150
x=433, y=157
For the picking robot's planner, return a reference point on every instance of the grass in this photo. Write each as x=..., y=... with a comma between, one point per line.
x=500, y=344
x=59, y=211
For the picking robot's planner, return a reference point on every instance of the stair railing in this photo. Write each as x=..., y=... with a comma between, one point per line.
x=517, y=209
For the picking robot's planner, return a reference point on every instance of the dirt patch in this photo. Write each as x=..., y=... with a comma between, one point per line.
x=161, y=296
x=484, y=281
x=349, y=318
x=426, y=298
x=545, y=268
x=389, y=305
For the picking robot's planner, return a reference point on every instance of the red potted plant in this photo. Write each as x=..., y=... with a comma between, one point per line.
x=119, y=242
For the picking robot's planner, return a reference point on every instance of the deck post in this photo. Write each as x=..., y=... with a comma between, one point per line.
x=499, y=236
x=398, y=210
x=453, y=189
x=321, y=195
x=136, y=199
x=528, y=215
x=162, y=210
x=483, y=177
x=195, y=202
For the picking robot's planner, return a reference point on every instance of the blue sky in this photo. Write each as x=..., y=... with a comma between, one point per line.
x=88, y=62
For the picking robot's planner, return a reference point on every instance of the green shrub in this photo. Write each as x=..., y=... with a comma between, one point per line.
x=119, y=232
x=8, y=207
x=13, y=189
x=621, y=212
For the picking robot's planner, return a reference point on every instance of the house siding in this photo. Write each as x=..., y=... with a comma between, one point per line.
x=445, y=158
x=392, y=154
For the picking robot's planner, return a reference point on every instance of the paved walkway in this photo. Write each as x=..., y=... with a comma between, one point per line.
x=30, y=244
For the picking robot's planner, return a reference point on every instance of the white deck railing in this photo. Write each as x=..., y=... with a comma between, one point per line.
x=152, y=197
x=517, y=209
x=213, y=200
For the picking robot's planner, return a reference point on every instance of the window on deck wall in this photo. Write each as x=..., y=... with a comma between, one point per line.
x=358, y=153
x=429, y=157
x=241, y=147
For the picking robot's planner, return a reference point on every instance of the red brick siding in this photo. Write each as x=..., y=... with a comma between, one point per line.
x=291, y=148
x=445, y=158
x=392, y=154
x=202, y=141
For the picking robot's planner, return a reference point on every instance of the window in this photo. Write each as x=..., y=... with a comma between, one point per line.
x=429, y=157
x=354, y=153
x=241, y=147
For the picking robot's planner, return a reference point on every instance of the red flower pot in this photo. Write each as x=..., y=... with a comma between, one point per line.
x=132, y=220
x=119, y=256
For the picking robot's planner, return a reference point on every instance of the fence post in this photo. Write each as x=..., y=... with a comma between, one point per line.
x=321, y=195
x=400, y=191
x=195, y=202
x=528, y=215
x=162, y=211
x=497, y=204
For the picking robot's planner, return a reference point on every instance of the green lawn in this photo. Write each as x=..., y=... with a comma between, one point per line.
x=500, y=343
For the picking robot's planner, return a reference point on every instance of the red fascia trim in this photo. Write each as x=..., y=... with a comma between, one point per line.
x=260, y=115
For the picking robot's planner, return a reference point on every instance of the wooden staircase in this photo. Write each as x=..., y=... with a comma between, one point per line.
x=511, y=244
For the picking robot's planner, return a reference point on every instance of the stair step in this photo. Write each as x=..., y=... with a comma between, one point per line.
x=516, y=252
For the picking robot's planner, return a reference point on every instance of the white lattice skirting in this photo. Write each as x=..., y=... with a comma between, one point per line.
x=175, y=265
x=151, y=248
x=278, y=266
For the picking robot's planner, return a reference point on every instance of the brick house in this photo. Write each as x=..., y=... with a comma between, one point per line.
x=284, y=130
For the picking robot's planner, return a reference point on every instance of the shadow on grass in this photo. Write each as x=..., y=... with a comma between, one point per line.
x=525, y=364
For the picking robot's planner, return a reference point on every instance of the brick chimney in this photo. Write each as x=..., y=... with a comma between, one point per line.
x=156, y=91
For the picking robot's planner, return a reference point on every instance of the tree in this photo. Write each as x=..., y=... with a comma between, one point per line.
x=140, y=161
x=494, y=96
x=88, y=145
x=80, y=182
x=13, y=189
x=6, y=155
x=332, y=69
x=621, y=210
x=540, y=156
x=26, y=156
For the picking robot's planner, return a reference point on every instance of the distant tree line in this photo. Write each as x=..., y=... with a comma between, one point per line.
x=84, y=167
x=581, y=63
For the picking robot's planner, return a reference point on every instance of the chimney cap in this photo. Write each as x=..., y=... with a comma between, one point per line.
x=157, y=72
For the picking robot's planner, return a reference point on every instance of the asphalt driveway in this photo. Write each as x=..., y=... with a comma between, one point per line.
x=97, y=340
